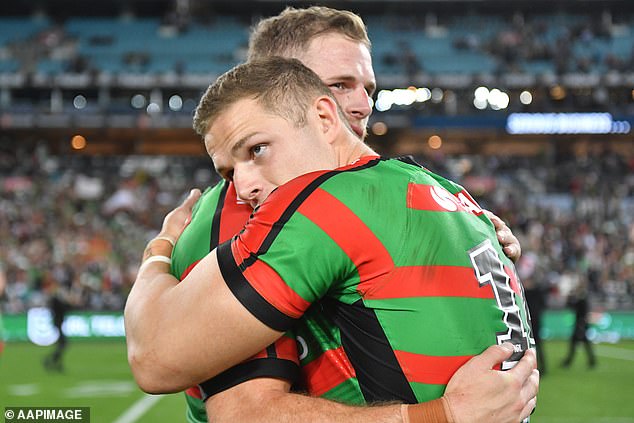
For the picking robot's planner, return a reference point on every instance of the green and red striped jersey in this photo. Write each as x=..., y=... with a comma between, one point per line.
x=402, y=261
x=217, y=216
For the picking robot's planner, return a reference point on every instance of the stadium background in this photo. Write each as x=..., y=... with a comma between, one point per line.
x=529, y=104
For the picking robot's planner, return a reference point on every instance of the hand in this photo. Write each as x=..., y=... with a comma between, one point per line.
x=476, y=393
x=508, y=241
x=178, y=219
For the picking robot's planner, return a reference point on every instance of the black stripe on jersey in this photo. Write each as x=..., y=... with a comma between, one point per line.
x=246, y=294
x=271, y=351
x=294, y=205
x=259, y=367
x=214, y=236
x=364, y=341
x=408, y=160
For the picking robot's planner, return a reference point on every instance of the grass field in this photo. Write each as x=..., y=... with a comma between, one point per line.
x=97, y=376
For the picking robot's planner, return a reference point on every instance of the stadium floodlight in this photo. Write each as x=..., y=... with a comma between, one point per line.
x=423, y=95
x=79, y=102
x=175, y=103
x=437, y=95
x=526, y=98
x=497, y=99
x=138, y=101
x=384, y=100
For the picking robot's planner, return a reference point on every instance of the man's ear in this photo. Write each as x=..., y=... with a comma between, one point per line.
x=328, y=114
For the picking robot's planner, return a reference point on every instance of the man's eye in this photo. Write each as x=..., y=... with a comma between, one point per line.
x=338, y=85
x=258, y=150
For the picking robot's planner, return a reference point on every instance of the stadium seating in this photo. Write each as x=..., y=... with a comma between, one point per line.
x=462, y=44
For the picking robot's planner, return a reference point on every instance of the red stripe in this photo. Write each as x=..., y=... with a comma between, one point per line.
x=515, y=286
x=279, y=200
x=429, y=369
x=268, y=283
x=270, y=212
x=352, y=235
x=470, y=204
x=189, y=269
x=327, y=371
x=234, y=215
x=431, y=198
x=429, y=281
x=262, y=354
x=286, y=349
x=436, y=198
x=194, y=392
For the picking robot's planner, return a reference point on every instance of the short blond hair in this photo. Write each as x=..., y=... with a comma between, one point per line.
x=289, y=33
x=283, y=86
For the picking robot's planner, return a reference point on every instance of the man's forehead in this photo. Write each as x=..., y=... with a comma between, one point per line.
x=237, y=124
x=335, y=55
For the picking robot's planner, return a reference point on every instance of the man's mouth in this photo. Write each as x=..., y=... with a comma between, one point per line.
x=358, y=129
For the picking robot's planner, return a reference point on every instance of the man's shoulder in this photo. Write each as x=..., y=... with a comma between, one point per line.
x=350, y=184
x=369, y=167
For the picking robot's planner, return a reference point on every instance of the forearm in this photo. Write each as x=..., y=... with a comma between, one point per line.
x=145, y=309
x=291, y=408
x=269, y=400
x=180, y=334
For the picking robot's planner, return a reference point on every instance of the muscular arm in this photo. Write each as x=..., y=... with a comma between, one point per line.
x=510, y=398
x=269, y=400
x=198, y=321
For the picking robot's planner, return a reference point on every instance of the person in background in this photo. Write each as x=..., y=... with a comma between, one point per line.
x=578, y=301
x=59, y=306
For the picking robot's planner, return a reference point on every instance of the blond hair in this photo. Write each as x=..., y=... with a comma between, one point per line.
x=283, y=86
x=289, y=33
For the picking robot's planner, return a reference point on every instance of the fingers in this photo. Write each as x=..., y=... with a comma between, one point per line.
x=528, y=409
x=531, y=386
x=191, y=199
x=510, y=244
x=494, y=355
x=524, y=368
x=497, y=222
x=529, y=392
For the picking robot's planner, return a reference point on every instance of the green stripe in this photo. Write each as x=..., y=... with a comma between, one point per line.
x=193, y=244
x=373, y=204
x=347, y=392
x=425, y=392
x=308, y=262
x=319, y=333
x=439, y=326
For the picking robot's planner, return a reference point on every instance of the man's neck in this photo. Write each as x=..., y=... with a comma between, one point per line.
x=353, y=151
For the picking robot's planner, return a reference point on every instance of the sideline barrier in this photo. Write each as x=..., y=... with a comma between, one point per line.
x=36, y=326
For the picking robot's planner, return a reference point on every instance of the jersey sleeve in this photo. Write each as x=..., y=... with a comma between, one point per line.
x=279, y=360
x=289, y=254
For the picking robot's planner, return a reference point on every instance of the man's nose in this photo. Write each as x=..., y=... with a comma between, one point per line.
x=360, y=105
x=248, y=187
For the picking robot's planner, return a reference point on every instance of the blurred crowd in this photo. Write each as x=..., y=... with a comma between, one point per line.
x=573, y=215
x=80, y=223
